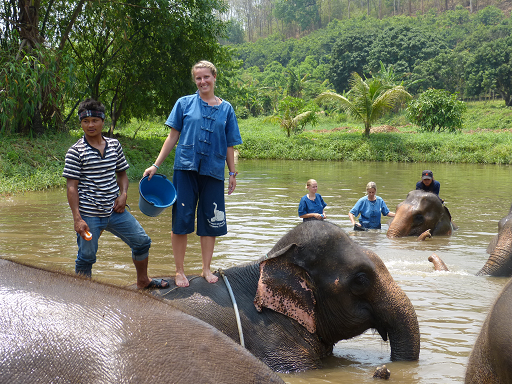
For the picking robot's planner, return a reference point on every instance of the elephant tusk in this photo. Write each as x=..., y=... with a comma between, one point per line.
x=424, y=235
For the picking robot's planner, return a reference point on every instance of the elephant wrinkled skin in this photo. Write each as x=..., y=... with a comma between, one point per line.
x=57, y=328
x=490, y=361
x=315, y=287
x=500, y=250
x=419, y=212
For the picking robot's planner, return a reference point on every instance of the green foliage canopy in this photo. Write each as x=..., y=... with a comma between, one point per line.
x=436, y=109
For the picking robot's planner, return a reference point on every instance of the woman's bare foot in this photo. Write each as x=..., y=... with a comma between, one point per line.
x=209, y=277
x=181, y=280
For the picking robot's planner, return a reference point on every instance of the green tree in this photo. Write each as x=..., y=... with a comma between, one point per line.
x=349, y=54
x=369, y=99
x=403, y=46
x=490, y=68
x=436, y=109
x=293, y=115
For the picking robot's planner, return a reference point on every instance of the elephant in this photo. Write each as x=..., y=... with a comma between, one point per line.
x=59, y=328
x=316, y=286
x=420, y=212
x=491, y=358
x=499, y=262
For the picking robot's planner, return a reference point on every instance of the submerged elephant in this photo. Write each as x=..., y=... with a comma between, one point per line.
x=419, y=212
x=491, y=359
x=315, y=287
x=57, y=328
x=500, y=250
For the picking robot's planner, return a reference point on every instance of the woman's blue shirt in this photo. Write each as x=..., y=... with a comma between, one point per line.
x=370, y=211
x=311, y=206
x=205, y=134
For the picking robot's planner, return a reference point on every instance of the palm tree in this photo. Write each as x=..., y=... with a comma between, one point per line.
x=368, y=100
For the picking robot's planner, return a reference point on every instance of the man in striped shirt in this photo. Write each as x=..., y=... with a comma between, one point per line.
x=97, y=187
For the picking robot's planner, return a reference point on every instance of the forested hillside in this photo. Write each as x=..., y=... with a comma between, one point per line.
x=254, y=19
x=459, y=51
x=135, y=56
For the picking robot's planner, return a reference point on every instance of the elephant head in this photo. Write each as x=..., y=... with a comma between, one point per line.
x=500, y=250
x=337, y=289
x=419, y=212
x=491, y=358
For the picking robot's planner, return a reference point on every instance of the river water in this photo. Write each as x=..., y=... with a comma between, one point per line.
x=37, y=228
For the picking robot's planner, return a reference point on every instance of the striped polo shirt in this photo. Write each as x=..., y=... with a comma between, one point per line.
x=96, y=175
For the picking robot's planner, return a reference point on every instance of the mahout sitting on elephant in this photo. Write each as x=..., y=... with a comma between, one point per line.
x=58, y=328
x=421, y=211
x=315, y=287
x=490, y=361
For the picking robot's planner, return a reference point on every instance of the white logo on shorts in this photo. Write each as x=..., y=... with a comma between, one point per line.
x=219, y=218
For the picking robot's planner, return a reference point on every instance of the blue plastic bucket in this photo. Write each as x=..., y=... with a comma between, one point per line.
x=155, y=195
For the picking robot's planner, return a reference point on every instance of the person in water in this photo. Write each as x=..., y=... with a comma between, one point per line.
x=427, y=183
x=311, y=205
x=371, y=207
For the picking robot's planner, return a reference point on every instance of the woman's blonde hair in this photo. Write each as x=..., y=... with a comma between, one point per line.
x=309, y=182
x=204, y=64
x=371, y=185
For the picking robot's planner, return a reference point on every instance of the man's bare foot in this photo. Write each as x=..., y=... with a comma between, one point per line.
x=209, y=277
x=181, y=280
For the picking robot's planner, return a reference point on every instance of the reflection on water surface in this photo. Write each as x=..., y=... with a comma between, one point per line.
x=37, y=228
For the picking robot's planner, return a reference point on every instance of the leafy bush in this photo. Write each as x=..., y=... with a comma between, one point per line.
x=437, y=108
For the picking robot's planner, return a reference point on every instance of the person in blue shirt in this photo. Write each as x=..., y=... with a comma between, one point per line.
x=311, y=206
x=371, y=207
x=427, y=183
x=207, y=129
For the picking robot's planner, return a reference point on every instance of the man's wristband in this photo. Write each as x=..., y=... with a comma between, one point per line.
x=233, y=173
x=156, y=166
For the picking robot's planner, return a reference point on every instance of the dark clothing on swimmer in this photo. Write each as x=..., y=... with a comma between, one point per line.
x=433, y=187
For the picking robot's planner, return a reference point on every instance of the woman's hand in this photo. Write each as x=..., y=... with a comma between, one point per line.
x=149, y=172
x=232, y=184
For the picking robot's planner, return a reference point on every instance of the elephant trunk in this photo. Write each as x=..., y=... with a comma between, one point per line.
x=404, y=337
x=401, y=223
x=399, y=318
x=498, y=264
x=439, y=264
x=397, y=228
x=500, y=261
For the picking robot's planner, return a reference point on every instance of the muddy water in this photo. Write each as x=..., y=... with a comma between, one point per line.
x=37, y=228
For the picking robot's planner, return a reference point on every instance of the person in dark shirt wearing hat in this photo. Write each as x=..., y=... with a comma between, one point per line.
x=427, y=183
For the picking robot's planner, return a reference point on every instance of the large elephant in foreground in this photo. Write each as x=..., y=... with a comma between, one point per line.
x=500, y=250
x=490, y=361
x=421, y=211
x=57, y=328
x=315, y=287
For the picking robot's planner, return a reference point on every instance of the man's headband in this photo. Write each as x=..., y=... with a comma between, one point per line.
x=89, y=113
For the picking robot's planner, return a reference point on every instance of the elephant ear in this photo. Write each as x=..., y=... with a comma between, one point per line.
x=286, y=288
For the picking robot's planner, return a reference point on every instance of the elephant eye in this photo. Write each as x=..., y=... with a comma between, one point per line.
x=418, y=219
x=360, y=283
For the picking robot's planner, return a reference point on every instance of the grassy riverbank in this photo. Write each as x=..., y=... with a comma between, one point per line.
x=36, y=163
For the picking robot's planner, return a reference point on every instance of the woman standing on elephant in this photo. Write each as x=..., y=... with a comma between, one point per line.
x=207, y=130
x=311, y=206
x=370, y=207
